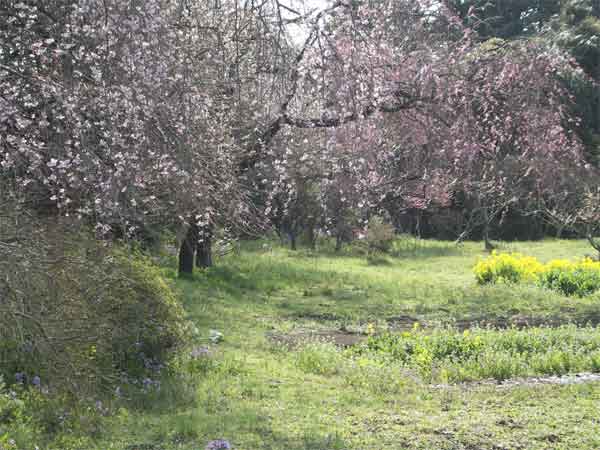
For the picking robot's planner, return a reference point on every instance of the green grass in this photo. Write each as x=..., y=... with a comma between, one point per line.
x=261, y=395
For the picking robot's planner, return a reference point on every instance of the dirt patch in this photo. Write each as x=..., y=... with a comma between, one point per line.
x=316, y=316
x=517, y=321
x=337, y=337
x=406, y=323
x=520, y=321
x=577, y=378
x=403, y=323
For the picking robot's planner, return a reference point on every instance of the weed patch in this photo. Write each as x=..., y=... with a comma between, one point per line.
x=477, y=354
x=319, y=358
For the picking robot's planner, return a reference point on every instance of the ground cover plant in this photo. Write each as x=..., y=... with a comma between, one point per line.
x=567, y=277
x=393, y=385
x=479, y=354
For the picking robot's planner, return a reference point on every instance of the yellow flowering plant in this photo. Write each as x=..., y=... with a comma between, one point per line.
x=571, y=278
x=567, y=277
x=508, y=268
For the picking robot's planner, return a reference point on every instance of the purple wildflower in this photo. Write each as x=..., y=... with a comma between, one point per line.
x=218, y=444
x=152, y=363
x=36, y=381
x=27, y=346
x=20, y=377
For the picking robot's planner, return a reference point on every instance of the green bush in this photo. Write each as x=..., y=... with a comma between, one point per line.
x=148, y=323
x=83, y=317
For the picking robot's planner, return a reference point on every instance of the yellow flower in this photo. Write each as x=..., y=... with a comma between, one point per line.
x=370, y=329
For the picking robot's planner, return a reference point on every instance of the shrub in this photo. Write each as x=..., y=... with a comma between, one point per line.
x=79, y=316
x=31, y=419
x=148, y=322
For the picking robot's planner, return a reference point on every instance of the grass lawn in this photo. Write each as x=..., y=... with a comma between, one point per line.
x=268, y=385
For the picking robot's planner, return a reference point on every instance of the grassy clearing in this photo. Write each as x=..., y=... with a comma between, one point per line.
x=431, y=281
x=259, y=394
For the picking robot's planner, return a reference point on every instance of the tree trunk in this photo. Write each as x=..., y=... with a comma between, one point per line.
x=204, y=248
x=486, y=231
x=340, y=226
x=186, y=251
x=592, y=241
x=292, y=236
x=311, y=236
x=338, y=243
x=467, y=229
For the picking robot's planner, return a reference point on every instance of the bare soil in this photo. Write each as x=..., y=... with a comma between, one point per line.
x=337, y=337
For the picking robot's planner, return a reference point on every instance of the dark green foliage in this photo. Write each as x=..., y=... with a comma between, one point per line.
x=580, y=36
x=506, y=18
